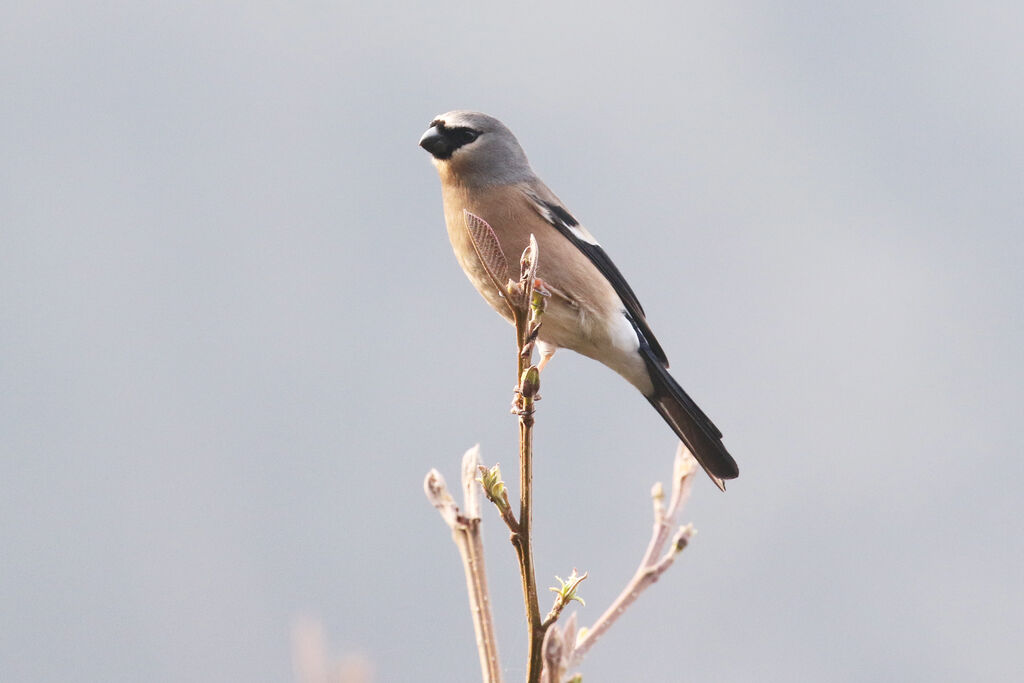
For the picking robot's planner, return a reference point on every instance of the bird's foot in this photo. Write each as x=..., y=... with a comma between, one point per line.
x=544, y=361
x=547, y=351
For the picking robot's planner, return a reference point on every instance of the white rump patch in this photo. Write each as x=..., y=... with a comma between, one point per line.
x=623, y=335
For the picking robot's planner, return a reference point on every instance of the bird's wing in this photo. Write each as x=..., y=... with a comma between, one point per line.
x=556, y=215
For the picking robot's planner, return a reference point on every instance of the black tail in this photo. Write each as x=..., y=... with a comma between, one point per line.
x=689, y=422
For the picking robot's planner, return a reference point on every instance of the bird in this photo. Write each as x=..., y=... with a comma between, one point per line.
x=591, y=308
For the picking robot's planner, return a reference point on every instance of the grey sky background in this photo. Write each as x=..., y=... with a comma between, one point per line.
x=233, y=338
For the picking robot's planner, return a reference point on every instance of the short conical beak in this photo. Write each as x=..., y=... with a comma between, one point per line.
x=435, y=142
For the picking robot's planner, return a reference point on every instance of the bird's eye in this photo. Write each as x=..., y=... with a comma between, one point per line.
x=463, y=136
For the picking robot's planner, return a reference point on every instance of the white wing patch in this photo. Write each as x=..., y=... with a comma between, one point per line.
x=583, y=234
x=542, y=209
x=578, y=231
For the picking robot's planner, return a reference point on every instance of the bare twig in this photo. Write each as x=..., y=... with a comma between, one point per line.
x=525, y=300
x=313, y=661
x=656, y=559
x=527, y=305
x=557, y=658
x=554, y=655
x=466, y=534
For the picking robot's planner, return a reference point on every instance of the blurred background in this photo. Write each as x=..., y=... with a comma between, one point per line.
x=233, y=337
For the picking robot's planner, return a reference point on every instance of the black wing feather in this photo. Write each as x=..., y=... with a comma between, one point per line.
x=687, y=420
x=563, y=221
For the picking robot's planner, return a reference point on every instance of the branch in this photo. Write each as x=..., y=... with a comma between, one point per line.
x=559, y=645
x=554, y=655
x=466, y=534
x=656, y=559
x=527, y=303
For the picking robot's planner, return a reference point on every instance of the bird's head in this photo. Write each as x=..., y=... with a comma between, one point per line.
x=475, y=149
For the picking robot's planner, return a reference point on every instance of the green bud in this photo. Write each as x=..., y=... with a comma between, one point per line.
x=566, y=590
x=529, y=383
x=493, y=485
